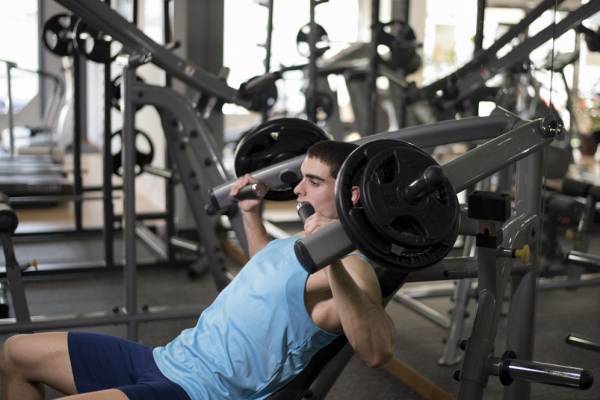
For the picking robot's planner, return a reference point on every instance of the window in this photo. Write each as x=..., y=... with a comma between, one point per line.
x=246, y=30
x=19, y=27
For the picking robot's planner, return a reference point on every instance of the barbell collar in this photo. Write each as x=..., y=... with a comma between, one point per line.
x=323, y=247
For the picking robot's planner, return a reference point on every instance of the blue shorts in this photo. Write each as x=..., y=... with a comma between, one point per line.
x=101, y=362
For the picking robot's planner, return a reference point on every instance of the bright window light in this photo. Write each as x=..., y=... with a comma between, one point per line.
x=19, y=28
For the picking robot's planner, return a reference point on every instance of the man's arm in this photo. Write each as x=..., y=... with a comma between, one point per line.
x=357, y=298
x=256, y=234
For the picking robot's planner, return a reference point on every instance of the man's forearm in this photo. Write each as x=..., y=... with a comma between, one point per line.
x=256, y=234
x=367, y=326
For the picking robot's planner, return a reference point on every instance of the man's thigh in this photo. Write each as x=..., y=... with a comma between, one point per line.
x=42, y=357
x=101, y=362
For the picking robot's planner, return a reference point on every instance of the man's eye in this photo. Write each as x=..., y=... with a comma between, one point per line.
x=314, y=183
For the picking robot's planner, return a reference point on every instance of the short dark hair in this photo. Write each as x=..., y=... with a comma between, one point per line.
x=331, y=152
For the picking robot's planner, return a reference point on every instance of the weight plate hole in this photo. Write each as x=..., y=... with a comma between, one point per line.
x=408, y=225
x=386, y=173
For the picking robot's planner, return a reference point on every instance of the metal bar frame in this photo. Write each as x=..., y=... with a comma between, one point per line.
x=193, y=151
x=469, y=83
x=108, y=231
x=129, y=64
x=100, y=16
x=487, y=55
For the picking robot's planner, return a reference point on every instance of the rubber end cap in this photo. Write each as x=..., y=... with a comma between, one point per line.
x=304, y=257
x=586, y=380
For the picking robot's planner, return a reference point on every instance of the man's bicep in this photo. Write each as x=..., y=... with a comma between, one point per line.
x=363, y=274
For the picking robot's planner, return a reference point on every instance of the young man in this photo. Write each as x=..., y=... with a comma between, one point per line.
x=259, y=333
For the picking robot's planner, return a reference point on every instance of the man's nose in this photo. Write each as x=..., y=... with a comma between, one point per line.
x=298, y=188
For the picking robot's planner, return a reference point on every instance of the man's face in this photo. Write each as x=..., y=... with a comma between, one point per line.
x=317, y=187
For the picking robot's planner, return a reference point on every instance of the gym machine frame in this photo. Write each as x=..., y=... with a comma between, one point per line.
x=189, y=141
x=520, y=145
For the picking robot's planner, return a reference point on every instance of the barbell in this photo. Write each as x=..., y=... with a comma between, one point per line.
x=407, y=217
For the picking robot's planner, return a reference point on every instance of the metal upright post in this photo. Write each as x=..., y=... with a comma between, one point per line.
x=481, y=5
x=170, y=184
x=521, y=318
x=11, y=123
x=450, y=353
x=268, y=45
x=311, y=90
x=134, y=12
x=373, y=68
x=108, y=232
x=78, y=129
x=128, y=77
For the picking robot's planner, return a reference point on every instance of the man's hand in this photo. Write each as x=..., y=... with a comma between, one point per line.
x=247, y=205
x=316, y=222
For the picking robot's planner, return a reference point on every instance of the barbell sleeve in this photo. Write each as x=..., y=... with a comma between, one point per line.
x=533, y=371
x=582, y=259
x=432, y=178
x=321, y=248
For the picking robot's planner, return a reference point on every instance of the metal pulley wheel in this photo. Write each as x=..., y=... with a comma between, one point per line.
x=272, y=142
x=115, y=99
x=95, y=45
x=57, y=34
x=144, y=151
x=401, y=41
x=303, y=44
x=407, y=217
x=324, y=106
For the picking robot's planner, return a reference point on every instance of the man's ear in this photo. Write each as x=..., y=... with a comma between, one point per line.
x=355, y=195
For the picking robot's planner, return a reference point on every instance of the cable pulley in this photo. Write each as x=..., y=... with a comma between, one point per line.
x=57, y=34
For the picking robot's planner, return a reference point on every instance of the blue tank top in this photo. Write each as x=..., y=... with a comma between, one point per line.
x=256, y=336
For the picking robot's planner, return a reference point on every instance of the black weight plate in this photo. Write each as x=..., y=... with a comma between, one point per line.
x=115, y=99
x=95, y=45
x=57, y=34
x=386, y=176
x=272, y=142
x=400, y=39
x=142, y=157
x=302, y=43
x=359, y=226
